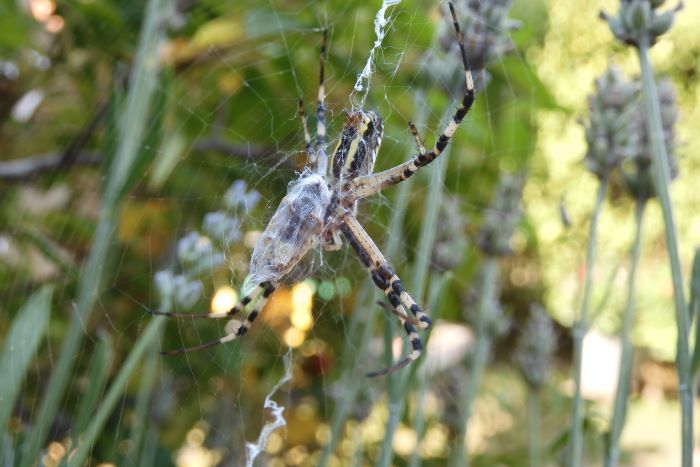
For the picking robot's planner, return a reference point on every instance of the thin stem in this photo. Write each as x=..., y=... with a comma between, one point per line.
x=487, y=297
x=662, y=179
x=623, y=380
x=534, y=449
x=579, y=331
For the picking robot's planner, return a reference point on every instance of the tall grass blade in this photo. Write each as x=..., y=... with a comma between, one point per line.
x=144, y=344
x=143, y=402
x=134, y=117
x=21, y=344
x=97, y=374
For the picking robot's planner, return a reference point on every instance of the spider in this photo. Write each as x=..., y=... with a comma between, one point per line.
x=319, y=207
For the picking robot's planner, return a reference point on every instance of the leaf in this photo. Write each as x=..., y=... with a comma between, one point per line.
x=97, y=374
x=21, y=344
x=144, y=344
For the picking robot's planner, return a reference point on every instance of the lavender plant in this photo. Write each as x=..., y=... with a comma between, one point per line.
x=611, y=139
x=639, y=183
x=640, y=23
x=198, y=252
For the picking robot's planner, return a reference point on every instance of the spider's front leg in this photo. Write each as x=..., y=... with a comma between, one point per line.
x=386, y=280
x=362, y=187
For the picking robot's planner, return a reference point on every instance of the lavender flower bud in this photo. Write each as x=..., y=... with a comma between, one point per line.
x=502, y=217
x=238, y=197
x=222, y=227
x=187, y=292
x=637, y=175
x=638, y=21
x=535, y=347
x=610, y=132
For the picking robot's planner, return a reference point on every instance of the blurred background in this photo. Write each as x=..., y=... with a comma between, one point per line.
x=145, y=145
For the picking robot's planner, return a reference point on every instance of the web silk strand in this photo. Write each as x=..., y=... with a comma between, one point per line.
x=362, y=84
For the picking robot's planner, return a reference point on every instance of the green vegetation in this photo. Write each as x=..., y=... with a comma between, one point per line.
x=146, y=144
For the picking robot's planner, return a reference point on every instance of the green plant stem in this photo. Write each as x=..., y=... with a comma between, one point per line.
x=623, y=380
x=534, y=428
x=694, y=306
x=487, y=297
x=579, y=331
x=133, y=121
x=398, y=383
x=662, y=179
x=144, y=344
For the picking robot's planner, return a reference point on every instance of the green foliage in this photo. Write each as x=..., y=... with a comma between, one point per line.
x=22, y=343
x=198, y=94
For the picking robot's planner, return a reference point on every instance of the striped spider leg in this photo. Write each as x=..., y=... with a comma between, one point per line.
x=387, y=281
x=362, y=187
x=260, y=295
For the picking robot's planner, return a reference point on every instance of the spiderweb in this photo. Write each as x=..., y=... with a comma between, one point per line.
x=223, y=140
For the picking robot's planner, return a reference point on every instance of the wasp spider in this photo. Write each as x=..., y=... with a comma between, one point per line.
x=320, y=207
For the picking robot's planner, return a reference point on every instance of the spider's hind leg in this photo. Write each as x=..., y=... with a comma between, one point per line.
x=262, y=292
x=386, y=280
x=237, y=308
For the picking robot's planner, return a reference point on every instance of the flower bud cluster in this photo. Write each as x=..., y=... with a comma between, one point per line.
x=637, y=174
x=535, y=348
x=616, y=131
x=639, y=22
x=502, y=217
x=198, y=253
x=611, y=132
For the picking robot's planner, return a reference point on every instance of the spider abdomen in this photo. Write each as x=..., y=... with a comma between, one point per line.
x=294, y=229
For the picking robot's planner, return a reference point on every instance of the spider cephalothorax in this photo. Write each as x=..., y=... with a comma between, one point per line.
x=320, y=207
x=358, y=146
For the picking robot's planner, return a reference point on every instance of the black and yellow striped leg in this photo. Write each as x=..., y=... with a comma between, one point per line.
x=263, y=291
x=386, y=280
x=238, y=307
x=416, y=350
x=362, y=187
x=321, y=143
